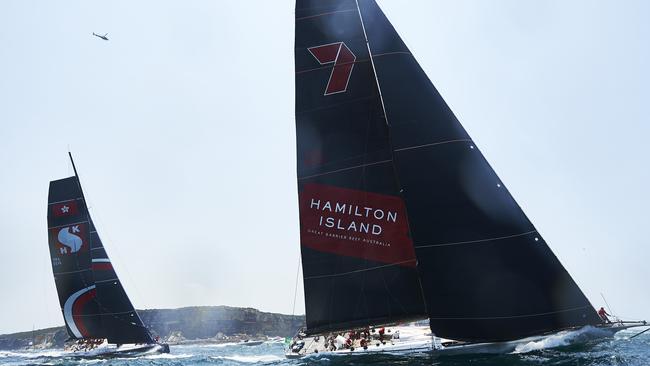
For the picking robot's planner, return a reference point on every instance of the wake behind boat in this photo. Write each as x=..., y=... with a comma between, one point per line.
x=250, y=343
x=98, y=315
x=401, y=217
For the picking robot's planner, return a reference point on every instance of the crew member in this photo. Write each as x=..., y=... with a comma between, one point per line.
x=603, y=315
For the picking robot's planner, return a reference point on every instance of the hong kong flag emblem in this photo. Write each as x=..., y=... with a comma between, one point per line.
x=343, y=59
x=68, y=208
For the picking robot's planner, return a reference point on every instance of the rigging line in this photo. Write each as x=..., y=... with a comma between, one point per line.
x=86, y=204
x=295, y=289
x=70, y=200
x=312, y=7
x=390, y=139
x=475, y=241
x=67, y=225
x=111, y=280
x=511, y=316
x=608, y=307
x=363, y=157
x=336, y=105
x=71, y=272
x=372, y=62
x=638, y=334
x=118, y=255
x=120, y=258
x=392, y=53
x=360, y=270
x=328, y=66
x=391, y=296
x=432, y=144
x=344, y=169
x=324, y=14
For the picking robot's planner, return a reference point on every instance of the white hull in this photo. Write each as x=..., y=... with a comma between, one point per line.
x=411, y=339
x=125, y=350
x=418, y=339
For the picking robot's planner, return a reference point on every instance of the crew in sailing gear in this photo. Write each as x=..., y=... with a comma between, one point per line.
x=603, y=315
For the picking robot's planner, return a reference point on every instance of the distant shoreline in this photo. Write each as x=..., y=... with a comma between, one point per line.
x=187, y=325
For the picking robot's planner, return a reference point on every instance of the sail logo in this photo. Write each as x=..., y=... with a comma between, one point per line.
x=354, y=211
x=67, y=208
x=75, y=313
x=355, y=223
x=343, y=59
x=69, y=240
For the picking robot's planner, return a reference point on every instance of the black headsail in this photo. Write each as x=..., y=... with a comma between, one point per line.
x=92, y=298
x=358, y=259
x=486, y=272
x=121, y=322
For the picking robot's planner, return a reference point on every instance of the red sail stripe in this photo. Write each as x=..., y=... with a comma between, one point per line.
x=77, y=311
x=103, y=266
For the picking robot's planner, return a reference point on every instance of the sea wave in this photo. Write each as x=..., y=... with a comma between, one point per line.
x=561, y=339
x=218, y=345
x=250, y=359
x=32, y=354
x=168, y=356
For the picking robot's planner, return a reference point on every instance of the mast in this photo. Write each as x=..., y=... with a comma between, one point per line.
x=390, y=141
x=81, y=191
x=74, y=168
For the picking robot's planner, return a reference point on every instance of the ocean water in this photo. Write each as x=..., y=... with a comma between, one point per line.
x=555, y=350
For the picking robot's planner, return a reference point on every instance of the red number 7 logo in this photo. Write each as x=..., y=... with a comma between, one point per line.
x=343, y=59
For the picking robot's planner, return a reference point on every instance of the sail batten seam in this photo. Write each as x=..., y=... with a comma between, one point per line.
x=71, y=224
x=111, y=280
x=64, y=201
x=475, y=241
x=325, y=14
x=513, y=316
x=359, y=61
x=432, y=144
x=360, y=270
x=71, y=272
x=344, y=169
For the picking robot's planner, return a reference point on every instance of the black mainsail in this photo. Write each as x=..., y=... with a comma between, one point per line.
x=379, y=149
x=92, y=299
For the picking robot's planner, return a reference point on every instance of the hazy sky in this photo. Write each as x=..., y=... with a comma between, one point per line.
x=182, y=126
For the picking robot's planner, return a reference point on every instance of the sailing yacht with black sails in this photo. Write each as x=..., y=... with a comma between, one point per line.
x=98, y=315
x=401, y=216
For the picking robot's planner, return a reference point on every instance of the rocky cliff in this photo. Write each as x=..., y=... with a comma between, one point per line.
x=177, y=325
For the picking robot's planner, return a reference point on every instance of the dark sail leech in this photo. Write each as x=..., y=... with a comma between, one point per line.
x=486, y=273
x=121, y=322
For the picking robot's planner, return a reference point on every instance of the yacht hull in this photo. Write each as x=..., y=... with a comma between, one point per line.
x=420, y=340
x=125, y=351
